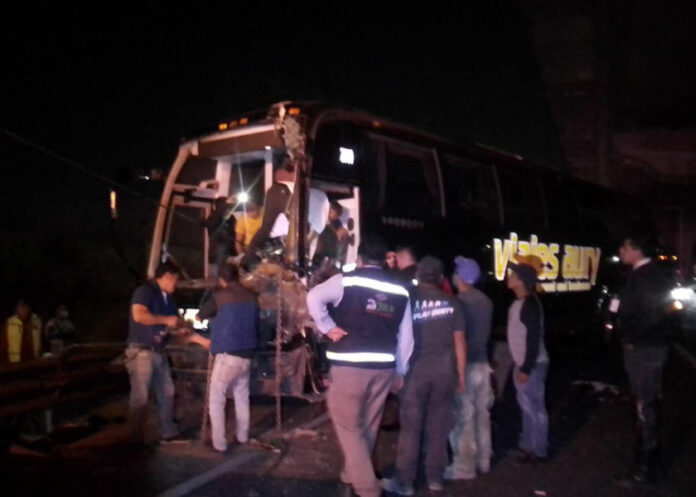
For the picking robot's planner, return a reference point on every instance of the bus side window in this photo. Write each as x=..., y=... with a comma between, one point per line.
x=593, y=209
x=522, y=202
x=412, y=188
x=470, y=190
x=561, y=206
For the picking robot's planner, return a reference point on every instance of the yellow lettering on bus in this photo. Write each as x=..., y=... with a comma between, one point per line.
x=501, y=253
x=554, y=249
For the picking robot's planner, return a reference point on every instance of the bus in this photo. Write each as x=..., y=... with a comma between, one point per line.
x=411, y=187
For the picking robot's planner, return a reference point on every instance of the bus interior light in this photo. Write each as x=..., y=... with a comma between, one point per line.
x=242, y=197
x=346, y=156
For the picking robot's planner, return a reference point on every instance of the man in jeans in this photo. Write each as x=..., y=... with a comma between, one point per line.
x=437, y=371
x=525, y=333
x=644, y=327
x=153, y=314
x=471, y=437
x=234, y=338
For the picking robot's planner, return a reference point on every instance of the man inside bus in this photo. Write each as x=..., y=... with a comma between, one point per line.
x=277, y=203
x=333, y=239
x=247, y=226
x=221, y=228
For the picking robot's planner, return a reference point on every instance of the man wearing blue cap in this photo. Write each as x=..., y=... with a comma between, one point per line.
x=471, y=437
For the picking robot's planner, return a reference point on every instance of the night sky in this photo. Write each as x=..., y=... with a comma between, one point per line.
x=119, y=91
x=116, y=91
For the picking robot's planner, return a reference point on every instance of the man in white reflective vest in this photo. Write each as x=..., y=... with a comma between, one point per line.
x=367, y=316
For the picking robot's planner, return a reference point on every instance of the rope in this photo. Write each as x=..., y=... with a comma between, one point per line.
x=279, y=375
x=204, y=421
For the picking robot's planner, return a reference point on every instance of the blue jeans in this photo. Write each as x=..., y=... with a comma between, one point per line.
x=471, y=437
x=535, y=419
x=148, y=368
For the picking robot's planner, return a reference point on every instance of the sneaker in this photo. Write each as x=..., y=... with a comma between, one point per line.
x=483, y=467
x=396, y=487
x=435, y=486
x=175, y=439
x=529, y=458
x=452, y=473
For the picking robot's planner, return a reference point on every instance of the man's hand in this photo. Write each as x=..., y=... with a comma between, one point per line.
x=170, y=321
x=199, y=340
x=461, y=387
x=397, y=383
x=522, y=377
x=335, y=334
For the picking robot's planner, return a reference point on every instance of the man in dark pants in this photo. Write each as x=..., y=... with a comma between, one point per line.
x=437, y=371
x=277, y=202
x=644, y=326
x=367, y=316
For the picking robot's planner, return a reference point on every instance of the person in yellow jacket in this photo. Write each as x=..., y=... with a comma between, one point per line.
x=20, y=339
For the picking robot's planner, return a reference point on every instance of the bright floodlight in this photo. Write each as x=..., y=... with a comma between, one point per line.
x=682, y=293
x=346, y=155
x=242, y=197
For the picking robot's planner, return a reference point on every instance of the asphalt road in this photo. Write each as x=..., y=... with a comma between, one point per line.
x=591, y=440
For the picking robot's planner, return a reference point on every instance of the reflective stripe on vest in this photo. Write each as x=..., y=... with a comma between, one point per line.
x=380, y=286
x=15, y=330
x=360, y=356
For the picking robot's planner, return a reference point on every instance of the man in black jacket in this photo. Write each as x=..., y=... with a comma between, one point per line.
x=277, y=203
x=644, y=326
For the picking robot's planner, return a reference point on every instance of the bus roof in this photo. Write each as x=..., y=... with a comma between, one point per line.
x=318, y=113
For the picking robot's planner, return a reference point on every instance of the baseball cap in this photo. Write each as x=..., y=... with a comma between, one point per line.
x=527, y=268
x=468, y=270
x=429, y=269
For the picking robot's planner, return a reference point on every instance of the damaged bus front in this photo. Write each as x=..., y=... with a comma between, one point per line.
x=239, y=162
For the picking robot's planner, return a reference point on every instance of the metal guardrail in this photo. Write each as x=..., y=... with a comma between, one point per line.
x=78, y=373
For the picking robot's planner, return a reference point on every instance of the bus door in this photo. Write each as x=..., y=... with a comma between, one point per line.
x=321, y=195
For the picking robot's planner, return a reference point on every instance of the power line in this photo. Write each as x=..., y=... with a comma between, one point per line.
x=55, y=155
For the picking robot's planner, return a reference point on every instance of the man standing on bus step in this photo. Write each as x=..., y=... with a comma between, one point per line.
x=525, y=334
x=471, y=437
x=277, y=202
x=367, y=316
x=644, y=326
x=152, y=313
x=234, y=339
x=436, y=372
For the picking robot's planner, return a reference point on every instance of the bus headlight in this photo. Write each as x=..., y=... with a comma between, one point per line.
x=682, y=294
